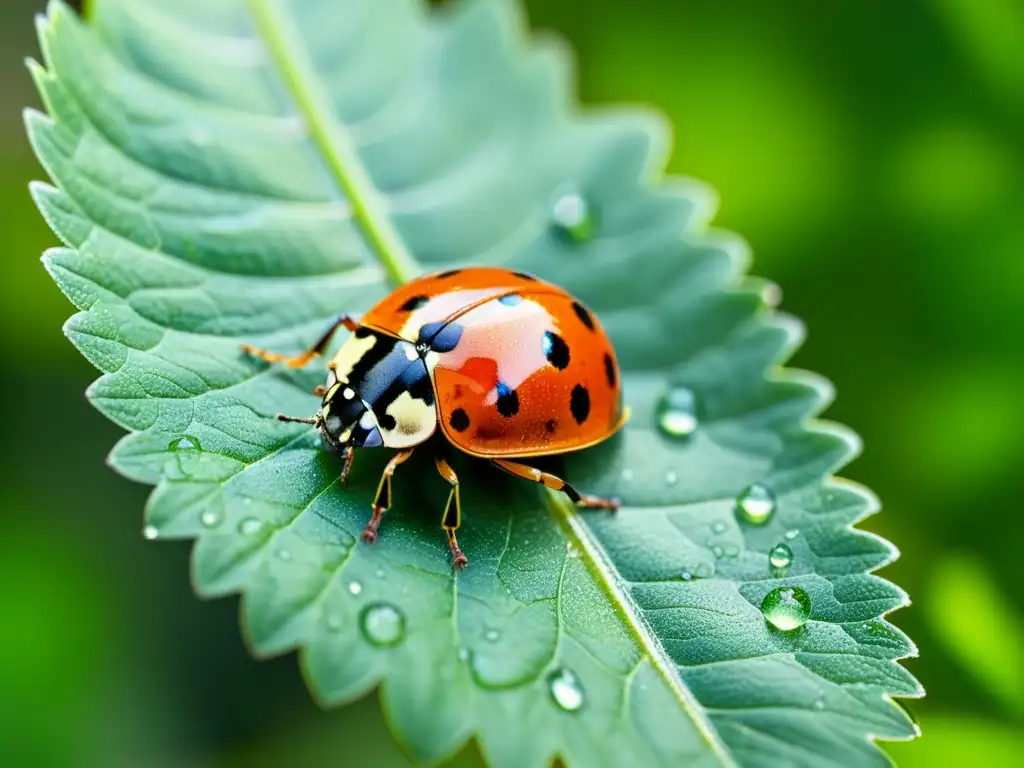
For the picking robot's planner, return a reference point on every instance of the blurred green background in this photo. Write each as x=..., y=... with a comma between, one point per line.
x=871, y=151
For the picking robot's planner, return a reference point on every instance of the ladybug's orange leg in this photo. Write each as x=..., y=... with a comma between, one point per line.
x=382, y=502
x=452, y=511
x=297, y=361
x=556, y=483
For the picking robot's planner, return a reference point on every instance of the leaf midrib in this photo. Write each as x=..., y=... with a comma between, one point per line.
x=283, y=41
x=332, y=140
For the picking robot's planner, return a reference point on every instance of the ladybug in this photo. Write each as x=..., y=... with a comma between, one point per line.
x=505, y=365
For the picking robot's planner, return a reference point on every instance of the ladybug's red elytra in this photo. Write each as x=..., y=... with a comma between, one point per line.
x=507, y=365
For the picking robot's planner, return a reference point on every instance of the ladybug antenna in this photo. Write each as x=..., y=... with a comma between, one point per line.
x=311, y=420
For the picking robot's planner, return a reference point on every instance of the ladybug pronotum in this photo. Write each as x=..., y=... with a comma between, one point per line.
x=507, y=366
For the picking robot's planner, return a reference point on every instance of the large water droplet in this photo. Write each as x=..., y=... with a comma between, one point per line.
x=786, y=608
x=780, y=557
x=354, y=587
x=677, y=413
x=250, y=526
x=210, y=518
x=571, y=217
x=565, y=689
x=383, y=624
x=755, y=505
x=150, y=532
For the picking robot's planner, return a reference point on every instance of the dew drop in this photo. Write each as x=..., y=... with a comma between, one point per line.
x=627, y=475
x=333, y=622
x=671, y=478
x=687, y=575
x=780, y=557
x=150, y=532
x=185, y=443
x=791, y=534
x=717, y=551
x=718, y=527
x=705, y=570
x=250, y=526
x=284, y=554
x=492, y=635
x=677, y=413
x=571, y=217
x=755, y=505
x=731, y=550
x=379, y=573
x=383, y=624
x=354, y=587
x=819, y=703
x=786, y=608
x=771, y=295
x=210, y=518
x=463, y=654
x=565, y=689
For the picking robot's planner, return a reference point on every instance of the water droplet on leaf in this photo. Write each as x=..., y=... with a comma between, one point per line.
x=210, y=518
x=755, y=505
x=791, y=534
x=687, y=575
x=185, y=443
x=786, y=608
x=383, y=624
x=671, y=478
x=463, y=653
x=284, y=554
x=333, y=622
x=354, y=587
x=150, y=532
x=250, y=526
x=677, y=413
x=565, y=689
x=571, y=217
x=627, y=475
x=718, y=527
x=819, y=703
x=780, y=557
x=492, y=635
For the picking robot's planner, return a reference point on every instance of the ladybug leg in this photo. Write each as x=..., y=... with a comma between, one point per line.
x=382, y=502
x=297, y=361
x=452, y=511
x=556, y=483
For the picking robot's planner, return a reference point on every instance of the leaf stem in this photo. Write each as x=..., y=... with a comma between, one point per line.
x=284, y=42
x=597, y=562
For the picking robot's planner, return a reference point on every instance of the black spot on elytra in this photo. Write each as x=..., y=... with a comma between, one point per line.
x=414, y=303
x=579, y=403
x=440, y=337
x=550, y=425
x=362, y=332
x=609, y=369
x=583, y=315
x=386, y=421
x=508, y=401
x=524, y=276
x=511, y=300
x=555, y=350
x=459, y=420
x=449, y=273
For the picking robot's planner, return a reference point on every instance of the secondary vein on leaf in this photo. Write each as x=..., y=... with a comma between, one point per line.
x=575, y=530
x=287, y=50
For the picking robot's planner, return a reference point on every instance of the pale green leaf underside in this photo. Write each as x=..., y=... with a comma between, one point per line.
x=231, y=171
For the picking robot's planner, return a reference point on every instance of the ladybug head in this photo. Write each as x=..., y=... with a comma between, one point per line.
x=344, y=419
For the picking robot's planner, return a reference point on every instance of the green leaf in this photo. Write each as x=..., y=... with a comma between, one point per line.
x=230, y=172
